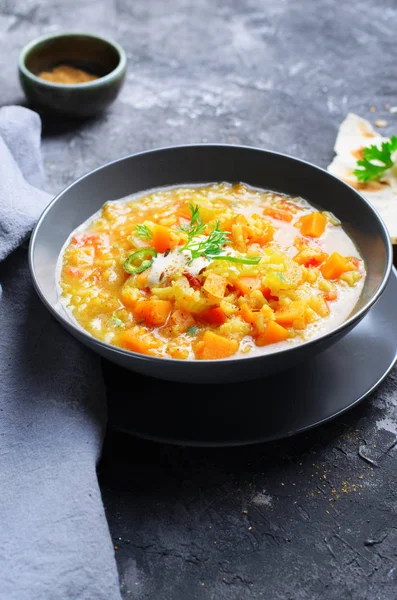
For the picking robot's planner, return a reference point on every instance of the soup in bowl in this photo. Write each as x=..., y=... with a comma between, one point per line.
x=209, y=263
x=210, y=272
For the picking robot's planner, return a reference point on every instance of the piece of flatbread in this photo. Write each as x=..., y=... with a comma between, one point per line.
x=355, y=134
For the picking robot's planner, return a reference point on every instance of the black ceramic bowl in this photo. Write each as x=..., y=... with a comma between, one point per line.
x=203, y=164
x=97, y=55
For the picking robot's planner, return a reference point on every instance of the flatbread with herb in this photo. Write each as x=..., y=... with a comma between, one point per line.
x=354, y=135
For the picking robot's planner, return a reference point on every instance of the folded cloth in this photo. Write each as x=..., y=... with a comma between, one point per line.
x=54, y=539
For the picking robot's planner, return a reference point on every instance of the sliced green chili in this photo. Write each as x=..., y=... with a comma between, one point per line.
x=252, y=260
x=139, y=261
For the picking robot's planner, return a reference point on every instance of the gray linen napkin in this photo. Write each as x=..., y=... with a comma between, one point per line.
x=54, y=539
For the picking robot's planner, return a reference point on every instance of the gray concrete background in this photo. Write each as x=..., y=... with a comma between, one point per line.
x=277, y=74
x=250, y=523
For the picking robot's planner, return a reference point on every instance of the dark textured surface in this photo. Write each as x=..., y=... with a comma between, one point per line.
x=283, y=521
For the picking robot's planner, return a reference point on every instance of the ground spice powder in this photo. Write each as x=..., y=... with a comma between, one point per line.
x=67, y=75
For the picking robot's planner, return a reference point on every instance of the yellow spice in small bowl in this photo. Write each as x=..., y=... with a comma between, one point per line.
x=67, y=75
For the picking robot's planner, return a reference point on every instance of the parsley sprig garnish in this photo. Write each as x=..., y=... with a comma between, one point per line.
x=196, y=226
x=383, y=156
x=143, y=232
x=212, y=245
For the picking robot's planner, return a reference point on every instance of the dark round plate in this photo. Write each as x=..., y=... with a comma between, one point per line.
x=265, y=409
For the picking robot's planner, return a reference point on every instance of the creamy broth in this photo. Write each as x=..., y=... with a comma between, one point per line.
x=173, y=306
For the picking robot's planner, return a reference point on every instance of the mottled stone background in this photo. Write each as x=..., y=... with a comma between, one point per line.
x=303, y=519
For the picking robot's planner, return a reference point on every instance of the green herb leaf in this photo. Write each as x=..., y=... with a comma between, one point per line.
x=115, y=246
x=383, y=156
x=281, y=277
x=116, y=321
x=250, y=260
x=192, y=330
x=196, y=226
x=143, y=232
x=210, y=246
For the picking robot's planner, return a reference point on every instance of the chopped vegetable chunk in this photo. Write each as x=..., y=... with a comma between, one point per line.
x=336, y=265
x=145, y=343
x=280, y=215
x=214, y=315
x=215, y=346
x=215, y=285
x=154, y=312
x=163, y=238
x=272, y=334
x=313, y=224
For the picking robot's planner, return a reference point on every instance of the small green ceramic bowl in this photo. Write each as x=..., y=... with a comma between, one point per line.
x=92, y=53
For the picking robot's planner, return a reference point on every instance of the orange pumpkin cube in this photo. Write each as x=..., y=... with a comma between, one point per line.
x=286, y=316
x=145, y=343
x=337, y=264
x=215, y=285
x=276, y=213
x=153, y=312
x=313, y=225
x=310, y=257
x=183, y=319
x=247, y=314
x=164, y=239
x=214, y=316
x=214, y=346
x=245, y=285
x=272, y=334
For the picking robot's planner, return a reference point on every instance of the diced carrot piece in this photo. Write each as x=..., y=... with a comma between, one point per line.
x=215, y=285
x=245, y=285
x=313, y=224
x=310, y=257
x=164, y=239
x=276, y=213
x=272, y=334
x=182, y=319
x=214, y=346
x=142, y=343
x=286, y=316
x=337, y=264
x=247, y=314
x=319, y=305
x=213, y=316
x=266, y=236
x=154, y=312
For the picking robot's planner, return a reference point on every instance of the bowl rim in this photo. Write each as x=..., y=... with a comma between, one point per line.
x=347, y=324
x=72, y=86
